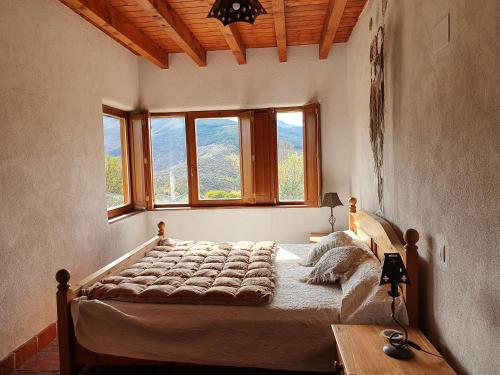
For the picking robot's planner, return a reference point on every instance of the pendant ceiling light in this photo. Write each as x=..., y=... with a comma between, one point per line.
x=229, y=11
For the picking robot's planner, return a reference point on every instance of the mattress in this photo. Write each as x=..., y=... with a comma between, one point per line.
x=291, y=333
x=195, y=272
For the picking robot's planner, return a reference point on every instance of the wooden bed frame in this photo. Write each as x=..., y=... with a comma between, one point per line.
x=373, y=230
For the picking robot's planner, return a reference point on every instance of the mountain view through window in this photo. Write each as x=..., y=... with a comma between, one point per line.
x=218, y=156
x=218, y=153
x=290, y=156
x=115, y=194
x=170, y=173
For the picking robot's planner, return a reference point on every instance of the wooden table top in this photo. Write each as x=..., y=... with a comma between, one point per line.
x=361, y=352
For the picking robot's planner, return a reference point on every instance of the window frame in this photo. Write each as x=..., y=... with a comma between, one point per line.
x=272, y=148
x=151, y=161
x=125, y=138
x=194, y=198
x=276, y=188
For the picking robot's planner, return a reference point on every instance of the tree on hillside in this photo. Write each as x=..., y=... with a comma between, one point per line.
x=290, y=173
x=163, y=184
x=114, y=182
x=221, y=194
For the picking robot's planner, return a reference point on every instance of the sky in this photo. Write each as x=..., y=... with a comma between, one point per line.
x=292, y=118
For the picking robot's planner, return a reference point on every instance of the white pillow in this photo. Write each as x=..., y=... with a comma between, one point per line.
x=335, y=239
x=364, y=301
x=334, y=264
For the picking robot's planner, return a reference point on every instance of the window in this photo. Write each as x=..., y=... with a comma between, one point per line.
x=223, y=158
x=170, y=172
x=117, y=163
x=218, y=158
x=290, y=129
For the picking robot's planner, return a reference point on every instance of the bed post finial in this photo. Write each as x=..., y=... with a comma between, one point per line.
x=411, y=238
x=352, y=204
x=62, y=277
x=161, y=229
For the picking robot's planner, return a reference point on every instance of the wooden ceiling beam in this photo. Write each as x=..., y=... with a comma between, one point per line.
x=332, y=22
x=176, y=29
x=280, y=28
x=233, y=39
x=109, y=20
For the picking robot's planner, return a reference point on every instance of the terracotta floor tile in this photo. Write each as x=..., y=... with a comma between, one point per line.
x=46, y=362
x=43, y=361
x=51, y=348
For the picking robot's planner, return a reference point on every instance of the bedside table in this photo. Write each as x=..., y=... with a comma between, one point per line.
x=315, y=237
x=359, y=352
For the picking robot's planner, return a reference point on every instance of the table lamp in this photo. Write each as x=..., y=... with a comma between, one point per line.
x=394, y=273
x=331, y=200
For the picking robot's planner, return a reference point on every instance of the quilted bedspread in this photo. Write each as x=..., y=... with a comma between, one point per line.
x=240, y=273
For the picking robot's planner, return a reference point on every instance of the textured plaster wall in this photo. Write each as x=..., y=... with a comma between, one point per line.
x=262, y=82
x=441, y=161
x=55, y=72
x=284, y=225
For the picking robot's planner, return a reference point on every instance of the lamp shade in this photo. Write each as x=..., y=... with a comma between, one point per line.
x=331, y=200
x=393, y=270
x=229, y=11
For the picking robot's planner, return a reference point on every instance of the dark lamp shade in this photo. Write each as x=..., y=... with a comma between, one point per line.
x=229, y=11
x=331, y=200
x=393, y=270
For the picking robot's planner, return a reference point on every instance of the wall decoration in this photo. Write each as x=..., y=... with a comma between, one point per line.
x=384, y=7
x=377, y=109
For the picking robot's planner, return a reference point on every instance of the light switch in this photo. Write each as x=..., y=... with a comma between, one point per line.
x=442, y=253
x=441, y=249
x=441, y=33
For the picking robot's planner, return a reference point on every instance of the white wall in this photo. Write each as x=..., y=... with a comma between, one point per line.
x=262, y=82
x=442, y=161
x=55, y=71
x=284, y=225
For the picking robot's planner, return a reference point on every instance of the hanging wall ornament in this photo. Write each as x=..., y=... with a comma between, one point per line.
x=229, y=11
x=377, y=109
x=384, y=7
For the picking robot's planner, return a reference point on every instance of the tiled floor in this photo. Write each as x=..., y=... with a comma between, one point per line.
x=46, y=362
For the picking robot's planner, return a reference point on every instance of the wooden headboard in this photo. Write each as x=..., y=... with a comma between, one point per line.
x=382, y=238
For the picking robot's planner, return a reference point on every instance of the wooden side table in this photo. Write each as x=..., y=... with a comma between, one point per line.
x=359, y=352
x=315, y=237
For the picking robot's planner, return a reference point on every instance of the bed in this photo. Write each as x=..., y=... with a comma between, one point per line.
x=290, y=333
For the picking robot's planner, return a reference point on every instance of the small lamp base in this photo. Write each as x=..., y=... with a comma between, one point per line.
x=398, y=353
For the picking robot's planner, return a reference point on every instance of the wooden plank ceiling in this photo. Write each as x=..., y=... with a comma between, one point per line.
x=156, y=28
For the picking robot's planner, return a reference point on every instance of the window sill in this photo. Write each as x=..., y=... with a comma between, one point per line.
x=124, y=216
x=193, y=208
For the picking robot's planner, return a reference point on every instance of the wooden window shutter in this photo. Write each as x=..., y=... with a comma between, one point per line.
x=147, y=159
x=247, y=157
x=265, y=160
x=192, y=160
x=137, y=161
x=312, y=154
